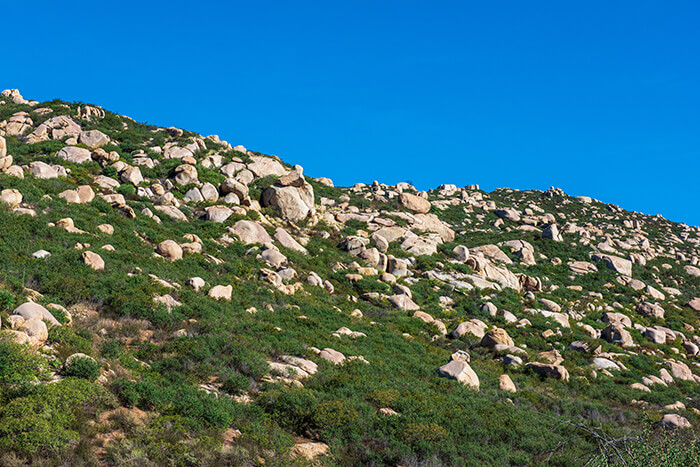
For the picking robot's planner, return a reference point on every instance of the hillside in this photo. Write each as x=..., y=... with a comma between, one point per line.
x=172, y=299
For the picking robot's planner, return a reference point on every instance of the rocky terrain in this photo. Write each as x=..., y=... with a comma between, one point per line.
x=168, y=298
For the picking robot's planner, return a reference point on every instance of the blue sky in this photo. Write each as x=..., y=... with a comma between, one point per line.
x=597, y=98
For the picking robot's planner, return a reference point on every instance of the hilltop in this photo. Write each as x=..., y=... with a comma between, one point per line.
x=168, y=298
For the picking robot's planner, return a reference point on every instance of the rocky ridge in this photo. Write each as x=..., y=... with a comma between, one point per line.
x=509, y=292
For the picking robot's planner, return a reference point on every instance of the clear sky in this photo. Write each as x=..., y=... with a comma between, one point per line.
x=599, y=98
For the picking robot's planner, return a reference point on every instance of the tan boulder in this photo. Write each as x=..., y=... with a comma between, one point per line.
x=650, y=310
x=31, y=310
x=74, y=154
x=616, y=334
x=309, y=451
x=263, y=166
x=36, y=330
x=460, y=371
x=169, y=250
x=218, y=213
x=294, y=203
x=414, y=203
x=617, y=264
x=680, y=370
x=332, y=356
x=251, y=232
x=220, y=292
x=93, y=260
x=474, y=327
x=131, y=175
x=548, y=371
x=11, y=197
x=672, y=420
x=495, y=337
x=93, y=138
x=287, y=241
x=106, y=229
x=185, y=174
x=506, y=384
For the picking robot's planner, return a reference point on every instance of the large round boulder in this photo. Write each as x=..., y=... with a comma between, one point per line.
x=168, y=249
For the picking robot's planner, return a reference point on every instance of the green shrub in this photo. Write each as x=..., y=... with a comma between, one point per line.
x=335, y=415
x=19, y=364
x=424, y=433
x=7, y=300
x=127, y=189
x=235, y=383
x=83, y=367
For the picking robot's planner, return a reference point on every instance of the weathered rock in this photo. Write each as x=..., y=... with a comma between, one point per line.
x=195, y=282
x=650, y=310
x=680, y=370
x=506, y=384
x=493, y=253
x=185, y=174
x=74, y=154
x=414, y=203
x=287, y=241
x=218, y=213
x=93, y=138
x=431, y=223
x=209, y=192
x=309, y=451
x=332, y=356
x=604, y=364
x=582, y=267
x=460, y=371
x=81, y=195
x=615, y=334
x=171, y=211
x=169, y=249
x=251, y=232
x=617, y=319
x=43, y=170
x=274, y=258
x=231, y=185
x=294, y=203
x=508, y=214
x=548, y=371
x=131, y=175
x=552, y=232
x=403, y=302
x=474, y=327
x=672, y=420
x=263, y=166
x=692, y=270
x=220, y=292
x=31, y=310
x=617, y=264
x=36, y=330
x=496, y=336
x=694, y=304
x=11, y=197
x=93, y=260
x=461, y=252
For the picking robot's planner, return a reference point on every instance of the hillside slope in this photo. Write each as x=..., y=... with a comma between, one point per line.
x=170, y=299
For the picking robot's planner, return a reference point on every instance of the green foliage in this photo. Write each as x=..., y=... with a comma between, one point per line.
x=83, y=367
x=19, y=365
x=7, y=300
x=50, y=417
x=335, y=415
